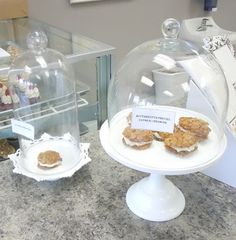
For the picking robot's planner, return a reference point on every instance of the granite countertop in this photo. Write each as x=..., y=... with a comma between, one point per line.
x=91, y=205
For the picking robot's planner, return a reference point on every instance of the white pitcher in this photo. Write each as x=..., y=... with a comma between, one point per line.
x=171, y=87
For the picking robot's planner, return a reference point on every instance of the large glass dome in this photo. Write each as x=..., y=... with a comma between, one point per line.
x=169, y=92
x=42, y=88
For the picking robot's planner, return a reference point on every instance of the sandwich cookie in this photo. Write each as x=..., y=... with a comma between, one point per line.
x=137, y=138
x=181, y=142
x=196, y=126
x=49, y=159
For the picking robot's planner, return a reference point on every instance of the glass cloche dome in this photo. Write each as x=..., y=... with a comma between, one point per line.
x=170, y=92
x=42, y=88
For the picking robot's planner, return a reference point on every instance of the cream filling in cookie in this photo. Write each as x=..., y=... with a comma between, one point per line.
x=157, y=135
x=49, y=165
x=185, y=149
x=182, y=129
x=131, y=143
x=195, y=134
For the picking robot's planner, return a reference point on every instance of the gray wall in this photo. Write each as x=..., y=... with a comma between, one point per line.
x=125, y=23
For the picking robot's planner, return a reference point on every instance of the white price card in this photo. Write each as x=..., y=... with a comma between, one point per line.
x=22, y=128
x=153, y=119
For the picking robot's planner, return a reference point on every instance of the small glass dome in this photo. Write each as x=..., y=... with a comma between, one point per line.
x=167, y=86
x=42, y=88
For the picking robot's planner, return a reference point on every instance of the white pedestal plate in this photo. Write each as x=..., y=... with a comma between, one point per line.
x=155, y=198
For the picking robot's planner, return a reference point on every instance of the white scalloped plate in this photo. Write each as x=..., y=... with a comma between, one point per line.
x=73, y=159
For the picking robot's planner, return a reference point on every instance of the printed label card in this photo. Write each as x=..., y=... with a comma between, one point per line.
x=22, y=128
x=153, y=119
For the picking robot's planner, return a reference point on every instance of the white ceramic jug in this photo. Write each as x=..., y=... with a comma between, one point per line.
x=171, y=87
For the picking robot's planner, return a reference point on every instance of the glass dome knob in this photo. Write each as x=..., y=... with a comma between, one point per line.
x=170, y=28
x=37, y=41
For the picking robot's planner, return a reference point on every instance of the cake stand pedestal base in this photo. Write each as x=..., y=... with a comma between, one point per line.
x=155, y=198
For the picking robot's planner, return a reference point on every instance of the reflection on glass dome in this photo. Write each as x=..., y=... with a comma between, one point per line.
x=171, y=88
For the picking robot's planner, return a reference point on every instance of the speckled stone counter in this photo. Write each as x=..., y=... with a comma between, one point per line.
x=91, y=205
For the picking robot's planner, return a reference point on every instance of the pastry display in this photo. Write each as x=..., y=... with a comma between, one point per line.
x=49, y=159
x=32, y=93
x=26, y=89
x=196, y=126
x=6, y=100
x=181, y=142
x=136, y=138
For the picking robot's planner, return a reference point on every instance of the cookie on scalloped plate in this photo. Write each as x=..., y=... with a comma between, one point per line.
x=49, y=159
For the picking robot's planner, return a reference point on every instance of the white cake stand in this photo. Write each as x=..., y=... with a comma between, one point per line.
x=155, y=198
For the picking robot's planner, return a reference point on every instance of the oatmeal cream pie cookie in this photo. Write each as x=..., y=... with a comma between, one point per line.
x=196, y=126
x=137, y=138
x=49, y=159
x=181, y=142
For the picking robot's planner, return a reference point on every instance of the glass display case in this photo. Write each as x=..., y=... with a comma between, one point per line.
x=91, y=61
